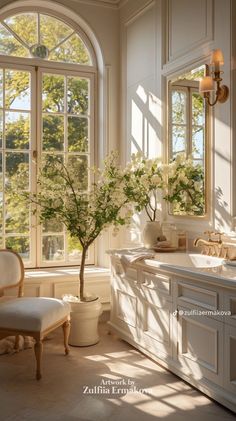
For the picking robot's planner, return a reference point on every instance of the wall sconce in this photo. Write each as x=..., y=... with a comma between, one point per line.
x=206, y=85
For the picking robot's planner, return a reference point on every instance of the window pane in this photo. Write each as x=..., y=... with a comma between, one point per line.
x=9, y=44
x=52, y=226
x=17, y=90
x=53, y=31
x=19, y=244
x=17, y=130
x=199, y=162
x=1, y=194
x=1, y=87
x=178, y=107
x=74, y=248
x=1, y=175
x=198, y=142
x=77, y=134
x=25, y=26
x=16, y=213
x=178, y=139
x=53, y=133
x=53, y=93
x=1, y=127
x=79, y=165
x=198, y=112
x=1, y=212
x=71, y=51
x=53, y=248
x=17, y=171
x=77, y=95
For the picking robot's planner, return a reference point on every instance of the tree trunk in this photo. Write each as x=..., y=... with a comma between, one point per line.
x=81, y=274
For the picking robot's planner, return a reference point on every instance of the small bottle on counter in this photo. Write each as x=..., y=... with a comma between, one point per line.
x=169, y=231
x=182, y=240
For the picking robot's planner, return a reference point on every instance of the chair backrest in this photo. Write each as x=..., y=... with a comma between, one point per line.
x=11, y=271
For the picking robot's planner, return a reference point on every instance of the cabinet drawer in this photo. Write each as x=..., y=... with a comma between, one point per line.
x=199, y=296
x=156, y=282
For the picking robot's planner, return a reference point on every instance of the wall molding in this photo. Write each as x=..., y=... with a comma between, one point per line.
x=207, y=37
x=139, y=12
x=112, y=4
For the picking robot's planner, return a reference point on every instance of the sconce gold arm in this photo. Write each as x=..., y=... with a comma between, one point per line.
x=222, y=94
x=222, y=91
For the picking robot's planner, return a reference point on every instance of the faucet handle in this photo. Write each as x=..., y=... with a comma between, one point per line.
x=209, y=233
x=220, y=235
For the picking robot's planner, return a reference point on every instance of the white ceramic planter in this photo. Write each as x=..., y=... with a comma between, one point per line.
x=84, y=322
x=151, y=232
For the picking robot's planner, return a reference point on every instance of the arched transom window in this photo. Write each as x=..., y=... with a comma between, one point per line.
x=42, y=36
x=47, y=92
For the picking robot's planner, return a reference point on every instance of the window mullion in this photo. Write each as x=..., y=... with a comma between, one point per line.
x=33, y=163
x=65, y=154
x=189, y=122
x=38, y=106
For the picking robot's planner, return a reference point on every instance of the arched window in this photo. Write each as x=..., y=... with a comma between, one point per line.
x=47, y=82
x=42, y=36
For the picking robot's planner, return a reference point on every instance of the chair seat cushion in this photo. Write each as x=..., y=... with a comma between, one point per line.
x=32, y=314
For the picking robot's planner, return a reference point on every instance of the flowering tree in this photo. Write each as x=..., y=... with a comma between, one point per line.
x=85, y=214
x=145, y=181
x=185, y=186
x=141, y=184
x=181, y=183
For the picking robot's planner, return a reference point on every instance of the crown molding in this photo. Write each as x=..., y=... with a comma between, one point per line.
x=113, y=4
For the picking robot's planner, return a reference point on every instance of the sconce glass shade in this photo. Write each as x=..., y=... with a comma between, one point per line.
x=217, y=57
x=213, y=83
x=206, y=84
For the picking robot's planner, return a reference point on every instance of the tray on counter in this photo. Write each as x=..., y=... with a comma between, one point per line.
x=165, y=249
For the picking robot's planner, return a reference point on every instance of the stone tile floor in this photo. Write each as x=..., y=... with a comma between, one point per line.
x=79, y=387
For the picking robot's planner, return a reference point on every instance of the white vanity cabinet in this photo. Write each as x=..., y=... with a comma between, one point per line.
x=157, y=311
x=156, y=314
x=200, y=347
x=141, y=308
x=125, y=301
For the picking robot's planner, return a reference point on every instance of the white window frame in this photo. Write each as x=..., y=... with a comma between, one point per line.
x=189, y=87
x=41, y=70
x=89, y=72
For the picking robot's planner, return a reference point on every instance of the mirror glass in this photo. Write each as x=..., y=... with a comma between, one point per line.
x=187, y=128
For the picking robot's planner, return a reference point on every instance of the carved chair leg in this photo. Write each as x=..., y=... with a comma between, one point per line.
x=38, y=349
x=66, y=332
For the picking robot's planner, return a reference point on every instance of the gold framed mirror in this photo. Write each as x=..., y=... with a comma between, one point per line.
x=188, y=133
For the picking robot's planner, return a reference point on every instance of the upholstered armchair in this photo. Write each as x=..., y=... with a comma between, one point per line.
x=27, y=316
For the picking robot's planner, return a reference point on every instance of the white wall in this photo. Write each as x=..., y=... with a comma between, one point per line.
x=141, y=88
x=161, y=39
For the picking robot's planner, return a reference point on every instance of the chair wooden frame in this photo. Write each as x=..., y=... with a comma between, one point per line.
x=39, y=335
x=20, y=283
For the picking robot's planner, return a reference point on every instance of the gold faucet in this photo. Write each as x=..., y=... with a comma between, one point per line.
x=211, y=247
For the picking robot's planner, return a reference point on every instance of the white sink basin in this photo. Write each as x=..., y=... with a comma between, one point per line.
x=188, y=260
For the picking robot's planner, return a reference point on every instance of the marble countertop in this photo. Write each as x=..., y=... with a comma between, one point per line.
x=222, y=275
